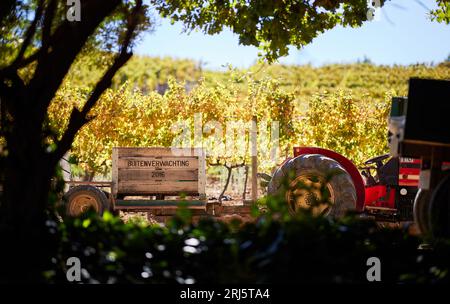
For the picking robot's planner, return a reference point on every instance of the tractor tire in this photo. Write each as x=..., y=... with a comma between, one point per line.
x=307, y=181
x=80, y=199
x=440, y=209
x=421, y=211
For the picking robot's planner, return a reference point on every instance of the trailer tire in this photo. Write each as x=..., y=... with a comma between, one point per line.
x=440, y=209
x=316, y=172
x=421, y=211
x=80, y=199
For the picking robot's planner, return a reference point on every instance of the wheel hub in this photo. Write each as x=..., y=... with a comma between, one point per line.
x=83, y=203
x=310, y=192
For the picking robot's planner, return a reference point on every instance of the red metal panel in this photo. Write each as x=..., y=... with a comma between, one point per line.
x=376, y=196
x=409, y=171
x=345, y=163
x=408, y=182
x=373, y=193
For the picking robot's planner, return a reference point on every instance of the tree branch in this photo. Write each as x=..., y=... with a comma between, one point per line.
x=48, y=21
x=65, y=42
x=216, y=164
x=6, y=7
x=14, y=66
x=229, y=170
x=21, y=62
x=7, y=91
x=79, y=118
x=30, y=32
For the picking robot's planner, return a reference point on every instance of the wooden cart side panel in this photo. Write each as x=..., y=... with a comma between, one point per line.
x=157, y=151
x=139, y=171
x=162, y=162
x=157, y=187
x=158, y=175
x=115, y=171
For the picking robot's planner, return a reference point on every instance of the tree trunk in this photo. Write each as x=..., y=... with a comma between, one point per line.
x=28, y=167
x=28, y=170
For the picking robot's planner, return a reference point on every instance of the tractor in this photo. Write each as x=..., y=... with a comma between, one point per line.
x=385, y=187
x=394, y=187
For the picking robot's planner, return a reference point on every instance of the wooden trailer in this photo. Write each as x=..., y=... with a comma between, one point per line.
x=159, y=173
x=147, y=179
x=153, y=180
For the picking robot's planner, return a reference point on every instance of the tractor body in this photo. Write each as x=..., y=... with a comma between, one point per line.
x=385, y=186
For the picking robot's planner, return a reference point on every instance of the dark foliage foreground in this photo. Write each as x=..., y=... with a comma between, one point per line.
x=276, y=248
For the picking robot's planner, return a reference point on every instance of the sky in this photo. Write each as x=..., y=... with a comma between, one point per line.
x=401, y=33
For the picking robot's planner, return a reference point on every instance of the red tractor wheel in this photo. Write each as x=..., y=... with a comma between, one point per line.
x=313, y=181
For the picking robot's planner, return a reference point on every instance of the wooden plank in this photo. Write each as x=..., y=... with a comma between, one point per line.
x=94, y=183
x=239, y=209
x=169, y=162
x=160, y=207
x=142, y=187
x=426, y=143
x=115, y=172
x=417, y=149
x=157, y=151
x=168, y=209
x=160, y=203
x=158, y=175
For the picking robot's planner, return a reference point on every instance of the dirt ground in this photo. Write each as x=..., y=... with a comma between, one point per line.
x=214, y=186
x=234, y=197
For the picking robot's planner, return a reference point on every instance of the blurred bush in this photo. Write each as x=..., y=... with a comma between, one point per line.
x=275, y=248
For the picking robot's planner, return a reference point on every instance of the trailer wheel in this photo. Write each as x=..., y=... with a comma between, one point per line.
x=317, y=182
x=421, y=211
x=82, y=198
x=440, y=209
